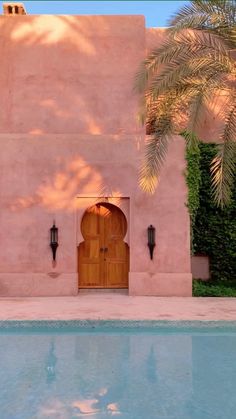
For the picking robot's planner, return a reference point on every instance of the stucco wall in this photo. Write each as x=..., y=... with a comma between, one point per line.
x=68, y=129
x=70, y=74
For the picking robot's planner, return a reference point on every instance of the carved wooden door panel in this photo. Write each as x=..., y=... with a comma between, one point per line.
x=103, y=256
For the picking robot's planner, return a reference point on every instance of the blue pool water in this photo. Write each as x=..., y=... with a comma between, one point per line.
x=100, y=371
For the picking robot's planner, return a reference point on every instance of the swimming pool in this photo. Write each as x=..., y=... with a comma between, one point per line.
x=133, y=370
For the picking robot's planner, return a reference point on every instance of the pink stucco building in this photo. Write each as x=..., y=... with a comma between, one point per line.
x=71, y=148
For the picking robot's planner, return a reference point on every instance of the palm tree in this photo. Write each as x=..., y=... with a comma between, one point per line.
x=195, y=63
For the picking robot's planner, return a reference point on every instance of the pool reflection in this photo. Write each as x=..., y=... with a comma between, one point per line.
x=51, y=361
x=134, y=375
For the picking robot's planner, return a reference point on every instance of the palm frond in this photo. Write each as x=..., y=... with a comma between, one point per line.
x=192, y=140
x=196, y=107
x=194, y=66
x=223, y=172
x=205, y=14
x=224, y=164
x=178, y=50
x=212, y=85
x=155, y=153
x=156, y=150
x=202, y=67
x=214, y=16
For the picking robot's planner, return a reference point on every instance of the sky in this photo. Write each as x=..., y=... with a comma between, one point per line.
x=157, y=13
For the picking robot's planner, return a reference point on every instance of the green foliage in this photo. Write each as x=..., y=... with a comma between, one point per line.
x=193, y=176
x=205, y=289
x=214, y=228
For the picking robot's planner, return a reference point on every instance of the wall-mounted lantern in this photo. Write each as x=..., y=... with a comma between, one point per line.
x=151, y=240
x=54, y=240
x=51, y=364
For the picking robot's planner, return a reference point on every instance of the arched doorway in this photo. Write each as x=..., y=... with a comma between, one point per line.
x=103, y=256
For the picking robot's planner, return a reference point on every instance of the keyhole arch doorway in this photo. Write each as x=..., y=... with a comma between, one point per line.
x=103, y=256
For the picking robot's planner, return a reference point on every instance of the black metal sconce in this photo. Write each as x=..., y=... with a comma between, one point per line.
x=54, y=240
x=151, y=240
x=51, y=364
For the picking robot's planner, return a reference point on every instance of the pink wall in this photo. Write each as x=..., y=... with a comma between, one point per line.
x=69, y=137
x=70, y=74
x=200, y=267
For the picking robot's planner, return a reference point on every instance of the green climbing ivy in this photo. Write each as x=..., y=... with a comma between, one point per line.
x=213, y=229
x=193, y=176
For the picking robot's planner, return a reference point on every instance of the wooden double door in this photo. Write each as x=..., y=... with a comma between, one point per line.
x=103, y=256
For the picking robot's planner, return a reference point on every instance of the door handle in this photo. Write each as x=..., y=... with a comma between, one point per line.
x=103, y=249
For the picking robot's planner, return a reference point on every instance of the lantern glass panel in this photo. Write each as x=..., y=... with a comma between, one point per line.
x=54, y=234
x=151, y=234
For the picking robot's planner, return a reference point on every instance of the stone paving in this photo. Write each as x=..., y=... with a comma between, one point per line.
x=107, y=306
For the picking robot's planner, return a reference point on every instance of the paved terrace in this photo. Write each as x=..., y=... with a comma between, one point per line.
x=107, y=306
